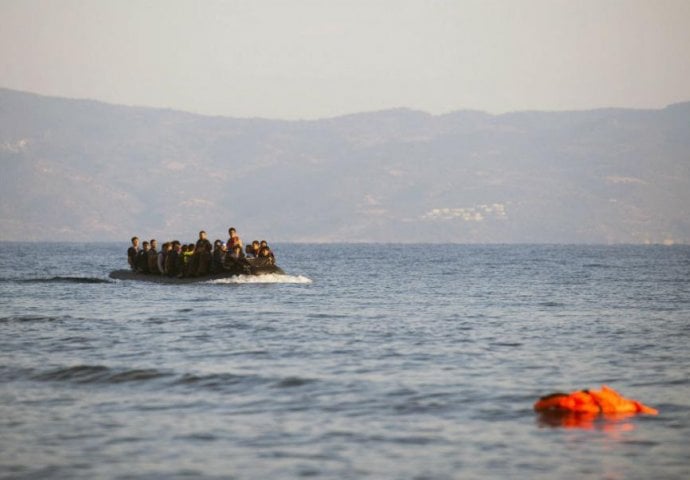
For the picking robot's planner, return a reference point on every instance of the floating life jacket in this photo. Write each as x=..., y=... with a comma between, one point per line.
x=606, y=400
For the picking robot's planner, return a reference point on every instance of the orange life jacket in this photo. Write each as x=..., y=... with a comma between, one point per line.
x=606, y=400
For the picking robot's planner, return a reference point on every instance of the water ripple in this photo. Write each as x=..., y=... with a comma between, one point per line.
x=98, y=374
x=60, y=279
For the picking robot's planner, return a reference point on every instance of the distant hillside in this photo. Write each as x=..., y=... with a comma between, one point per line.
x=84, y=170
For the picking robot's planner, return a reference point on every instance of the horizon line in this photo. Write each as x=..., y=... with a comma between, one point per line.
x=398, y=243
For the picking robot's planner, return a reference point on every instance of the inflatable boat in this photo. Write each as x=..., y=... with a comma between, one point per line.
x=248, y=268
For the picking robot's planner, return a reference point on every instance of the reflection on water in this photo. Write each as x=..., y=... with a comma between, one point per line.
x=612, y=423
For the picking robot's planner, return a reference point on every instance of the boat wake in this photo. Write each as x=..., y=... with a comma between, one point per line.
x=64, y=280
x=267, y=278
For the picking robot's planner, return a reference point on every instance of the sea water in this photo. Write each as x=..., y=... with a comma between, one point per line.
x=365, y=361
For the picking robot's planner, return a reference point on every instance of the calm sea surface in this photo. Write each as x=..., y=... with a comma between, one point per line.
x=367, y=361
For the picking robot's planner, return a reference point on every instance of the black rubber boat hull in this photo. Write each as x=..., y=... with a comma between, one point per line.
x=157, y=278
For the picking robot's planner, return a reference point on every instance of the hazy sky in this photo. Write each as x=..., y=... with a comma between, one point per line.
x=311, y=59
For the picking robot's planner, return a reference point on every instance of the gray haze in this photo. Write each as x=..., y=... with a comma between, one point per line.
x=315, y=59
x=84, y=170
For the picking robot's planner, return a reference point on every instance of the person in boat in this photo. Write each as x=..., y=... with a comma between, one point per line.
x=604, y=401
x=202, y=246
x=263, y=259
x=186, y=256
x=173, y=261
x=165, y=250
x=264, y=245
x=253, y=249
x=203, y=240
x=203, y=263
x=233, y=239
x=234, y=258
x=143, y=258
x=180, y=260
x=132, y=253
x=152, y=258
x=218, y=256
x=266, y=256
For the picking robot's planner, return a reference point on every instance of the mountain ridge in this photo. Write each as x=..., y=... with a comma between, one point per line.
x=89, y=170
x=9, y=91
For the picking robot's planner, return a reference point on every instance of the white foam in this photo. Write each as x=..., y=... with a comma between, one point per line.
x=268, y=278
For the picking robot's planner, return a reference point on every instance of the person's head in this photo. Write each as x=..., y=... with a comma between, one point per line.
x=263, y=243
x=185, y=248
x=154, y=243
x=232, y=232
x=217, y=243
x=146, y=246
x=256, y=245
x=264, y=252
x=223, y=247
x=202, y=235
x=166, y=246
x=135, y=241
x=237, y=249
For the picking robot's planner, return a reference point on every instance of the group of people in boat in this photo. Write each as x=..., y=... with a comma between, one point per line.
x=175, y=259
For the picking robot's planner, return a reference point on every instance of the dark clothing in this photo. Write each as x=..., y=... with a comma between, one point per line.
x=231, y=260
x=203, y=265
x=132, y=257
x=217, y=261
x=172, y=263
x=205, y=242
x=152, y=261
x=142, y=261
x=251, y=252
x=266, y=252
